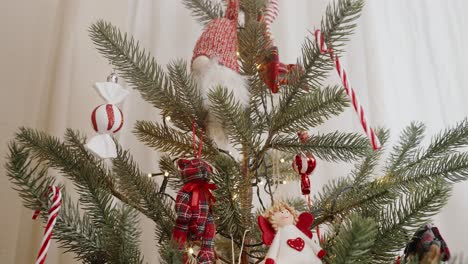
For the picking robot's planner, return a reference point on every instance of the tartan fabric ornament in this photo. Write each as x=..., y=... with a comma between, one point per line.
x=194, y=220
x=424, y=241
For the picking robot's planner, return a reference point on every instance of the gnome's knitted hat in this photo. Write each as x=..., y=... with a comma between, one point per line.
x=219, y=39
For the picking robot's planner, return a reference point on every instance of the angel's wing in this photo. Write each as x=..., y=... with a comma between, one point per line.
x=268, y=233
x=305, y=223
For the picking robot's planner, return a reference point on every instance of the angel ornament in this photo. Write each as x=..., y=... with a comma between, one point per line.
x=289, y=236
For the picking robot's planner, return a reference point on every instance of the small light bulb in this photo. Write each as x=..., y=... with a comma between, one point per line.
x=168, y=118
x=235, y=196
x=258, y=66
x=230, y=153
x=150, y=175
x=282, y=160
x=190, y=251
x=284, y=182
x=166, y=174
x=238, y=54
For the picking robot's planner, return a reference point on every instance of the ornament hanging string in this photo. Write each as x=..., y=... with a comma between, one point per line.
x=196, y=153
x=52, y=219
x=319, y=38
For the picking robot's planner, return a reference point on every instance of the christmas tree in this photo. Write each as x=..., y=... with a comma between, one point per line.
x=251, y=102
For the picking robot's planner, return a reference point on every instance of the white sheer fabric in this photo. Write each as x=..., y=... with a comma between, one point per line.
x=406, y=60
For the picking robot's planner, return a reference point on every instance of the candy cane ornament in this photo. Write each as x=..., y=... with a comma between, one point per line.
x=271, y=13
x=349, y=90
x=52, y=219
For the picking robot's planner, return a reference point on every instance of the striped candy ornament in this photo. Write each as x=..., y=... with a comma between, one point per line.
x=304, y=164
x=349, y=90
x=107, y=118
x=52, y=219
x=271, y=13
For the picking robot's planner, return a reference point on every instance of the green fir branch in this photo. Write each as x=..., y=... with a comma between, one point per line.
x=187, y=91
x=407, y=147
x=144, y=190
x=364, y=170
x=141, y=71
x=227, y=210
x=354, y=241
x=311, y=110
x=452, y=167
x=136, y=184
x=445, y=142
x=30, y=181
x=167, y=139
x=234, y=118
x=204, y=10
x=401, y=218
x=337, y=24
x=331, y=147
x=75, y=233
x=167, y=165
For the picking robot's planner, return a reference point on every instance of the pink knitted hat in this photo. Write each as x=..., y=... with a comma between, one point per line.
x=219, y=39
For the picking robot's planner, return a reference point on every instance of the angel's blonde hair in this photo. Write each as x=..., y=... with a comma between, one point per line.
x=277, y=207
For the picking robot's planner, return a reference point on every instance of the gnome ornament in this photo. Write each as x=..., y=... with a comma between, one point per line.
x=427, y=246
x=289, y=236
x=214, y=63
x=107, y=118
x=194, y=220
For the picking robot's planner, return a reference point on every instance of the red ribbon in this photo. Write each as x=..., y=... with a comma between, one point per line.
x=197, y=189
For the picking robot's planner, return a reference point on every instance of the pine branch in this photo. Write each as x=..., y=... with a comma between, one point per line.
x=363, y=171
x=227, y=210
x=31, y=181
x=337, y=24
x=122, y=235
x=74, y=232
x=404, y=216
x=311, y=110
x=204, y=10
x=235, y=120
x=166, y=139
x=452, y=167
x=331, y=147
x=141, y=71
x=134, y=183
x=445, y=142
x=166, y=164
x=352, y=244
x=186, y=90
x=407, y=147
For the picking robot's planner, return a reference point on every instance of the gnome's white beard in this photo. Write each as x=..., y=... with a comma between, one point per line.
x=208, y=74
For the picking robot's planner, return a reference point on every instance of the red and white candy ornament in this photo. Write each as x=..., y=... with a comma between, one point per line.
x=107, y=118
x=304, y=164
x=51, y=220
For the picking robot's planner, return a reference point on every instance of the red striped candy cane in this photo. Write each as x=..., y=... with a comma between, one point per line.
x=271, y=13
x=349, y=90
x=52, y=219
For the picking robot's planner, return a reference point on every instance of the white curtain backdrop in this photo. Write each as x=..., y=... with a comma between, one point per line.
x=407, y=61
